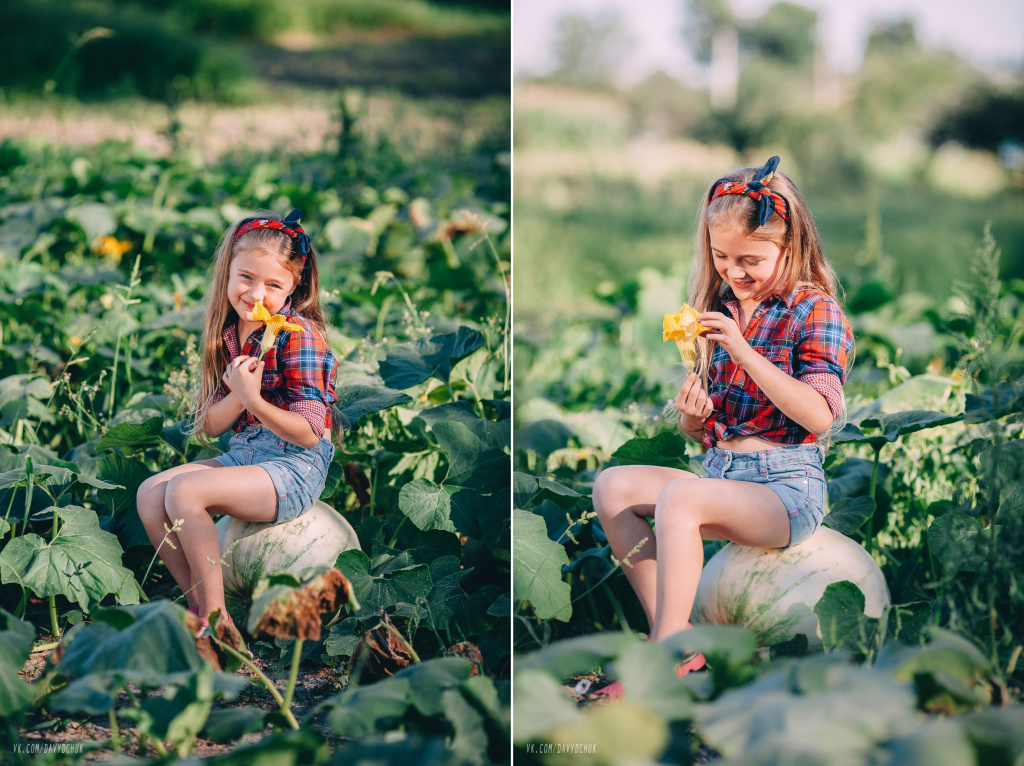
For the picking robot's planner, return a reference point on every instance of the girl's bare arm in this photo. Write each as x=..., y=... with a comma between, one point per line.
x=795, y=398
x=290, y=426
x=222, y=415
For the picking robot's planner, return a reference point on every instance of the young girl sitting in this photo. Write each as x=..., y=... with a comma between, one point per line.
x=279, y=407
x=768, y=383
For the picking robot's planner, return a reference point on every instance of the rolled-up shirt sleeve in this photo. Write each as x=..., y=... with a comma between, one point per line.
x=307, y=367
x=823, y=349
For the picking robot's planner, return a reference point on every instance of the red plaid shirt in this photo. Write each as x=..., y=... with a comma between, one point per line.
x=807, y=336
x=298, y=374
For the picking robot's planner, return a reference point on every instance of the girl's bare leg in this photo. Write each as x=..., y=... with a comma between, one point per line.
x=745, y=512
x=245, y=492
x=687, y=510
x=624, y=496
x=153, y=514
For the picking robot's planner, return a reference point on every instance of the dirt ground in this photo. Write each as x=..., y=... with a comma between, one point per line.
x=313, y=686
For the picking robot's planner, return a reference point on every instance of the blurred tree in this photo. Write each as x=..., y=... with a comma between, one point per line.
x=903, y=85
x=785, y=33
x=590, y=49
x=986, y=119
x=711, y=30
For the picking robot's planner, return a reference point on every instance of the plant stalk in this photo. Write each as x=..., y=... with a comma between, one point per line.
x=869, y=533
x=294, y=674
x=285, y=710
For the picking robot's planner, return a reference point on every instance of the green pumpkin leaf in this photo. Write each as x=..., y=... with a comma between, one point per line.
x=427, y=505
x=147, y=643
x=409, y=364
x=666, y=449
x=841, y=618
x=375, y=592
x=537, y=563
x=83, y=563
x=898, y=424
x=541, y=704
x=359, y=711
x=180, y=713
x=954, y=539
x=451, y=608
x=849, y=514
x=15, y=646
x=544, y=436
x=134, y=437
x=355, y=401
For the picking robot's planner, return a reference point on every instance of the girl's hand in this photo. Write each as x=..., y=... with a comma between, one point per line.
x=727, y=333
x=243, y=376
x=693, y=402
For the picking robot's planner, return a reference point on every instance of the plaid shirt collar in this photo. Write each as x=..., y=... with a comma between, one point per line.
x=727, y=297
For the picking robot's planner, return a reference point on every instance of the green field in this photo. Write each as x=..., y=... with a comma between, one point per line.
x=388, y=126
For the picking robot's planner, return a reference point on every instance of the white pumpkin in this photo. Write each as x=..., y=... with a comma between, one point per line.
x=313, y=539
x=773, y=592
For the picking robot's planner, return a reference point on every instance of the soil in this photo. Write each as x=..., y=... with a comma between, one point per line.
x=312, y=687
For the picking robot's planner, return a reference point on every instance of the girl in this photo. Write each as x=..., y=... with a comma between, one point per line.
x=768, y=384
x=279, y=407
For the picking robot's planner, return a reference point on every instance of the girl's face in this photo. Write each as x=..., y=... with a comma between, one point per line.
x=257, y=275
x=749, y=266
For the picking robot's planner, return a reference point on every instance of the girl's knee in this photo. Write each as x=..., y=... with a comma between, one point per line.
x=150, y=496
x=610, y=486
x=181, y=493
x=680, y=503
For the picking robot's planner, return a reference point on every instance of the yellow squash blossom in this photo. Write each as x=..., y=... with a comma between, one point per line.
x=111, y=247
x=683, y=328
x=275, y=324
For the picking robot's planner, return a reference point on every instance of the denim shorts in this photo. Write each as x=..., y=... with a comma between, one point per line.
x=299, y=474
x=793, y=472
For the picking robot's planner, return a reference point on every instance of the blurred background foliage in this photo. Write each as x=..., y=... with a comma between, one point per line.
x=217, y=49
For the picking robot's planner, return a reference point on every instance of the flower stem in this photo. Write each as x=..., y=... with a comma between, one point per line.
x=285, y=710
x=294, y=674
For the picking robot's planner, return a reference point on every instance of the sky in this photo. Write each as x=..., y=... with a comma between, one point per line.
x=991, y=34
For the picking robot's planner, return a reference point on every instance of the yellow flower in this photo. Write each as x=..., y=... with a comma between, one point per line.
x=111, y=248
x=275, y=324
x=683, y=328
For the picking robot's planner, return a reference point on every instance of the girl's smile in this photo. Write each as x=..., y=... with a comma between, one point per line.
x=257, y=275
x=749, y=266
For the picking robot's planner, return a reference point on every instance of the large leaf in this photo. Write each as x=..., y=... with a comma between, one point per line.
x=463, y=501
x=409, y=364
x=494, y=433
x=376, y=590
x=356, y=401
x=180, y=713
x=540, y=705
x=146, y=645
x=15, y=645
x=427, y=505
x=816, y=710
x=893, y=426
x=953, y=539
x=451, y=608
x=667, y=449
x=363, y=710
x=537, y=563
x=841, y=618
x=133, y=437
x=82, y=563
x=849, y=514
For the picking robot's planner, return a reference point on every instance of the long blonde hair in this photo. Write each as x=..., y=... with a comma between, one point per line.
x=805, y=268
x=305, y=302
